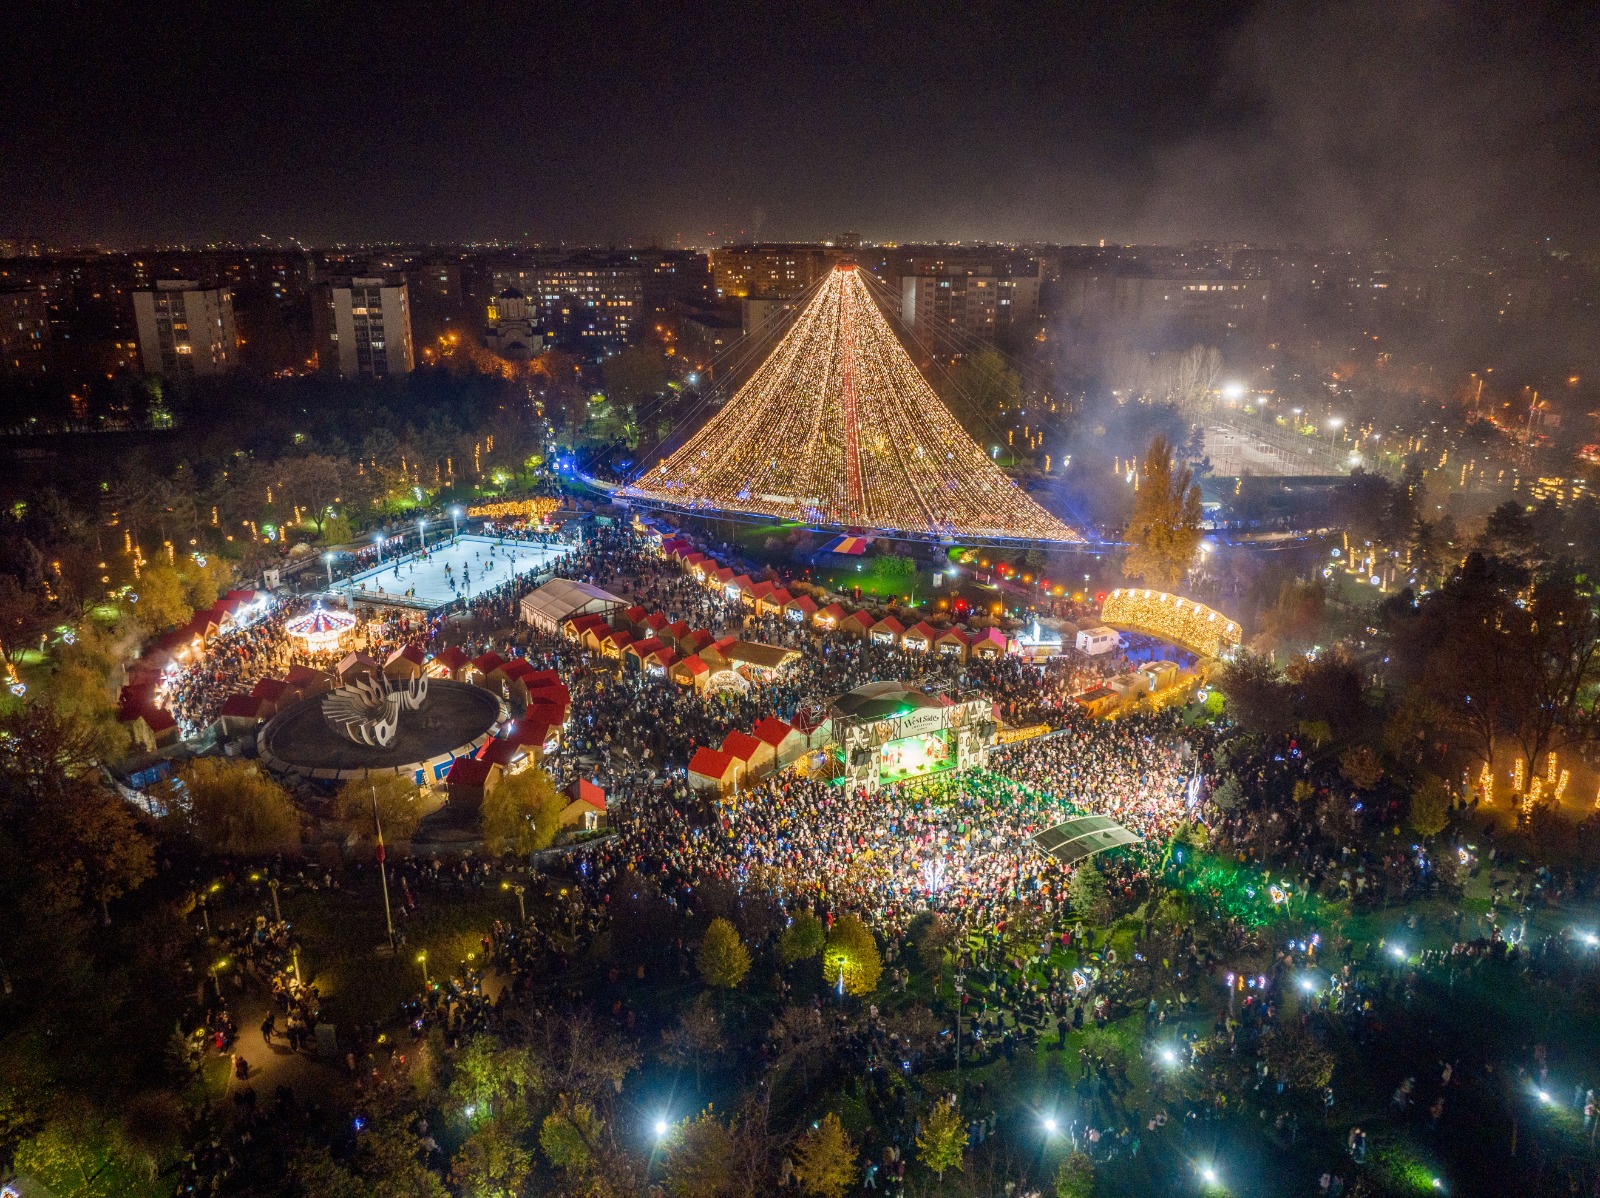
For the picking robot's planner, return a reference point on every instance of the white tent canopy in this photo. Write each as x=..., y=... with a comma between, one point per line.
x=558, y=600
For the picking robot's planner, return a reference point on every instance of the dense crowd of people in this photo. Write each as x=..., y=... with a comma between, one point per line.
x=958, y=844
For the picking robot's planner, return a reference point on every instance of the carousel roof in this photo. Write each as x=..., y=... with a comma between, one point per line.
x=320, y=621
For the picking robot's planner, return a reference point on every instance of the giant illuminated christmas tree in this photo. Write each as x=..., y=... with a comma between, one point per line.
x=838, y=427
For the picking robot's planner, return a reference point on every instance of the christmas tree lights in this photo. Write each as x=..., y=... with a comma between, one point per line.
x=838, y=427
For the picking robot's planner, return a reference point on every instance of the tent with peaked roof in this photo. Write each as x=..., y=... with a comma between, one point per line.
x=799, y=609
x=886, y=631
x=786, y=741
x=755, y=754
x=560, y=599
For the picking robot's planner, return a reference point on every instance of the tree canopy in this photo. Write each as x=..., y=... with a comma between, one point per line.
x=523, y=812
x=722, y=957
x=1164, y=528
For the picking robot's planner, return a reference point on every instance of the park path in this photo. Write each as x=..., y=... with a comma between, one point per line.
x=273, y=1065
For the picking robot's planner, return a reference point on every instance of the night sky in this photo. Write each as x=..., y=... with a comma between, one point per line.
x=1428, y=124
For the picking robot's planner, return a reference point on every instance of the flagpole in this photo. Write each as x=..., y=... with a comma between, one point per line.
x=383, y=872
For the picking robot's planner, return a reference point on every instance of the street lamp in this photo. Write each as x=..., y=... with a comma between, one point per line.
x=518, y=890
x=960, y=980
x=455, y=516
x=422, y=960
x=421, y=526
x=1335, y=423
x=272, y=885
x=377, y=539
x=327, y=560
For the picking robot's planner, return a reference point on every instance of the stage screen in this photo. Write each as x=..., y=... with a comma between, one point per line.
x=916, y=756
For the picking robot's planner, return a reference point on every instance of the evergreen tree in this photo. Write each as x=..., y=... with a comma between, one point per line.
x=1164, y=529
x=1091, y=900
x=722, y=957
x=802, y=939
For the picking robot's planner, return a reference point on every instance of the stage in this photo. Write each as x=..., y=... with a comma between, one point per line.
x=919, y=756
x=888, y=732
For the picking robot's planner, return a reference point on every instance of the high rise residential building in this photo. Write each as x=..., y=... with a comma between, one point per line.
x=186, y=330
x=673, y=277
x=742, y=271
x=974, y=292
x=438, y=307
x=590, y=304
x=934, y=304
x=24, y=333
x=370, y=327
x=594, y=306
x=1211, y=303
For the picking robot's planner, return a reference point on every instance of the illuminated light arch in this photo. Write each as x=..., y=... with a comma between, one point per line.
x=838, y=428
x=1183, y=622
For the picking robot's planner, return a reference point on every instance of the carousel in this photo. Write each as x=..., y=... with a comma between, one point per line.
x=320, y=630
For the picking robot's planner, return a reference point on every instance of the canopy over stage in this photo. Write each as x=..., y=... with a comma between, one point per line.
x=1078, y=839
x=838, y=429
x=891, y=732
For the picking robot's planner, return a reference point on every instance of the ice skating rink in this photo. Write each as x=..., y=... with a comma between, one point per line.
x=473, y=562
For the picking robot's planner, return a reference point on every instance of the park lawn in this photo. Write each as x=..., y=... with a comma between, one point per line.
x=98, y=1171
x=878, y=584
x=343, y=945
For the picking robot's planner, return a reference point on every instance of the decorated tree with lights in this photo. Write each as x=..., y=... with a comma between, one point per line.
x=838, y=427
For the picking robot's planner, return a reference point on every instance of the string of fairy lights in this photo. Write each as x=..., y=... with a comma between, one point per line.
x=838, y=427
x=1172, y=618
